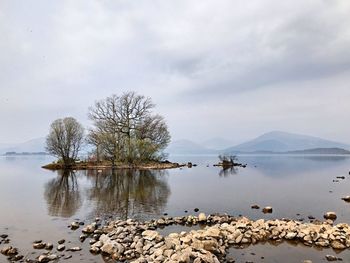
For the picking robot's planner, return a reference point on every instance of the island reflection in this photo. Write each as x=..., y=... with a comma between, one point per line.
x=62, y=194
x=121, y=193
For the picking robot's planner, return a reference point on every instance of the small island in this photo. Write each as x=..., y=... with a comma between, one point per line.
x=125, y=134
x=90, y=165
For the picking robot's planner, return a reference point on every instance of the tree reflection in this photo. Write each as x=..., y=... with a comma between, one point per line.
x=227, y=171
x=62, y=194
x=128, y=193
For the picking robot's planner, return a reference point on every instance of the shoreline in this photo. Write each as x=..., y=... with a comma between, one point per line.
x=140, y=241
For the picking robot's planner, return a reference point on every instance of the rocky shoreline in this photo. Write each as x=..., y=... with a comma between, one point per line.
x=136, y=241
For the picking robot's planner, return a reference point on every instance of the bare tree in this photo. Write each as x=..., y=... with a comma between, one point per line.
x=133, y=109
x=126, y=128
x=65, y=139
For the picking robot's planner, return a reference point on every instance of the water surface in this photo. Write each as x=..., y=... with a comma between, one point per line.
x=40, y=204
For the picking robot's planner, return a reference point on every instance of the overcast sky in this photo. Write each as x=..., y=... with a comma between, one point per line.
x=232, y=69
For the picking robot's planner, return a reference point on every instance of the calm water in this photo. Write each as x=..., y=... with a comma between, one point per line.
x=39, y=204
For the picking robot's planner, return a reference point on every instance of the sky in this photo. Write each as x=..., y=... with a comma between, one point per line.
x=231, y=69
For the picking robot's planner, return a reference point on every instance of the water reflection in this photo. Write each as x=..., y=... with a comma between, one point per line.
x=128, y=193
x=62, y=194
x=227, y=171
x=285, y=165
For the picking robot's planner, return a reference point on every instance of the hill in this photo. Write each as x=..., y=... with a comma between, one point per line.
x=284, y=142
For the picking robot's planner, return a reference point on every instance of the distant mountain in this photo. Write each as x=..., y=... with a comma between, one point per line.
x=216, y=143
x=34, y=145
x=187, y=147
x=278, y=141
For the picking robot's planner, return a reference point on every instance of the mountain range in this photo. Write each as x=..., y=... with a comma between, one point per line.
x=272, y=142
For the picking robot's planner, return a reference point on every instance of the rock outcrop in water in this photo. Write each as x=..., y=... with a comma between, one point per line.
x=141, y=242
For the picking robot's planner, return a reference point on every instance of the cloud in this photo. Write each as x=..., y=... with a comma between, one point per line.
x=196, y=59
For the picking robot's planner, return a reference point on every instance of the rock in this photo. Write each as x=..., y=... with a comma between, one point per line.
x=74, y=225
x=9, y=251
x=61, y=247
x=331, y=258
x=108, y=248
x=52, y=257
x=255, y=207
x=5, y=250
x=83, y=237
x=150, y=235
x=3, y=236
x=74, y=249
x=291, y=235
x=330, y=215
x=43, y=258
x=202, y=217
x=48, y=246
x=307, y=261
x=346, y=198
x=47, y=258
x=89, y=229
x=341, y=177
x=267, y=210
x=337, y=245
x=39, y=245
x=17, y=258
x=94, y=250
x=61, y=241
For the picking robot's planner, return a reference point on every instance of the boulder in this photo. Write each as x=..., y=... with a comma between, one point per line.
x=202, y=217
x=330, y=215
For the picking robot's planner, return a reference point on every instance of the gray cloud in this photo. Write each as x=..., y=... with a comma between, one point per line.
x=202, y=62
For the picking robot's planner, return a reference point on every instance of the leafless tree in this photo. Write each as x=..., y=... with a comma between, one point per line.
x=124, y=124
x=65, y=139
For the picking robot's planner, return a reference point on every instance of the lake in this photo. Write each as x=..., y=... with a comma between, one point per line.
x=40, y=204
